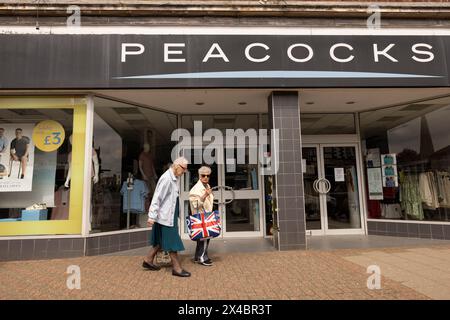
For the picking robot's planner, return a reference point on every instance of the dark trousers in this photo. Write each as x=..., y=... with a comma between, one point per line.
x=201, y=251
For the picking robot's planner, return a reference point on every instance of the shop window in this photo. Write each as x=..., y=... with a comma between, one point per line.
x=407, y=159
x=38, y=149
x=133, y=148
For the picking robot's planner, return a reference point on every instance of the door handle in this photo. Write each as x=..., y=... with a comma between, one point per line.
x=316, y=189
x=327, y=185
x=227, y=188
x=216, y=188
x=318, y=186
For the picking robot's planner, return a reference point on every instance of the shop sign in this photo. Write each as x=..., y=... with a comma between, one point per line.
x=221, y=61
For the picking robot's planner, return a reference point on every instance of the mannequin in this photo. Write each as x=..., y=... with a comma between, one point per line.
x=95, y=167
x=147, y=168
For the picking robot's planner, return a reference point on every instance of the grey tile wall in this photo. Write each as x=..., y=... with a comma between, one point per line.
x=118, y=242
x=409, y=229
x=36, y=249
x=285, y=116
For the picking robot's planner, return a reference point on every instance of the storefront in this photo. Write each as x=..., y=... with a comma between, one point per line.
x=356, y=127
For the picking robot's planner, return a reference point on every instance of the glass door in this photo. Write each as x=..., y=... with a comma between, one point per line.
x=190, y=178
x=236, y=189
x=332, y=192
x=342, y=188
x=241, y=192
x=310, y=164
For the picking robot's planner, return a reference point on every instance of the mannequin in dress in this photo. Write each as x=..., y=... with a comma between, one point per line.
x=95, y=167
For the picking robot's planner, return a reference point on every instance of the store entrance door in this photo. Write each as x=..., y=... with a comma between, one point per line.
x=236, y=188
x=332, y=189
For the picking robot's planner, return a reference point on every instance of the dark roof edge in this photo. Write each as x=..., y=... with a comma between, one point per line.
x=298, y=9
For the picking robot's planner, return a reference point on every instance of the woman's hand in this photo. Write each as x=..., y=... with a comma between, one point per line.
x=206, y=193
x=150, y=223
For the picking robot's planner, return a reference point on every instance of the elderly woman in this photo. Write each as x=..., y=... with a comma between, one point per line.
x=201, y=198
x=163, y=217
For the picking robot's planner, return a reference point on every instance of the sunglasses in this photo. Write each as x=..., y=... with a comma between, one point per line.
x=205, y=175
x=182, y=167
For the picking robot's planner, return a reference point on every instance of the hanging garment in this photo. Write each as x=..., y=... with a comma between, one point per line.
x=425, y=189
x=137, y=196
x=443, y=184
x=411, y=201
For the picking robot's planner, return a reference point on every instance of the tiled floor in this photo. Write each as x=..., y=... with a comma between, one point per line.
x=425, y=270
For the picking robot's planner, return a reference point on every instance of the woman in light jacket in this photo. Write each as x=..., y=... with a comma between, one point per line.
x=201, y=198
x=163, y=217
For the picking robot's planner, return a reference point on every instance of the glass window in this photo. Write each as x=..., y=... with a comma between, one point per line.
x=407, y=158
x=31, y=176
x=133, y=146
x=323, y=123
x=38, y=146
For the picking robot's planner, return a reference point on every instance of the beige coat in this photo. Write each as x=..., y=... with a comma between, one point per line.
x=195, y=198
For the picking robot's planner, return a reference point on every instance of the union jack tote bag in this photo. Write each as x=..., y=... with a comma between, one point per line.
x=204, y=225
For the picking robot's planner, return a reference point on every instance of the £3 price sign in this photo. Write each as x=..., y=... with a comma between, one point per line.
x=48, y=135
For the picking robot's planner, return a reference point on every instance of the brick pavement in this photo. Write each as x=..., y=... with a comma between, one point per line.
x=337, y=274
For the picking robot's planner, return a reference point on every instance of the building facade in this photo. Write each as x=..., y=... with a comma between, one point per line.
x=344, y=104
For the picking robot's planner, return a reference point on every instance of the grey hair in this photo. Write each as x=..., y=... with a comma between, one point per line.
x=204, y=170
x=180, y=161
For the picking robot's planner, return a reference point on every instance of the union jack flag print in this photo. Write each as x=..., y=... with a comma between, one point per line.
x=204, y=225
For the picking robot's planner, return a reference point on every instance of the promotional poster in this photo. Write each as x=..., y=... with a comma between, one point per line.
x=16, y=157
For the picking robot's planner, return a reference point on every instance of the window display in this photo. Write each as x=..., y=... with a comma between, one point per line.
x=31, y=178
x=413, y=142
x=34, y=162
x=133, y=147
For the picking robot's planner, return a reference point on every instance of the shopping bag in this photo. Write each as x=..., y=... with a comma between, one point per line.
x=204, y=225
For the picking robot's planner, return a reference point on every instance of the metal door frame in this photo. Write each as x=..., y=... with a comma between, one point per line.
x=321, y=142
x=223, y=195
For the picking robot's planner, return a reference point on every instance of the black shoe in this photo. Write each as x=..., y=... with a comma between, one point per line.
x=206, y=263
x=183, y=273
x=150, y=266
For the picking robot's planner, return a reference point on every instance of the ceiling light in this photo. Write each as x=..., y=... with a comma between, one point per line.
x=242, y=103
x=350, y=102
x=199, y=103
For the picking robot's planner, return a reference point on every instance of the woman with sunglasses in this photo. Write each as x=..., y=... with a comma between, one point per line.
x=201, y=198
x=163, y=217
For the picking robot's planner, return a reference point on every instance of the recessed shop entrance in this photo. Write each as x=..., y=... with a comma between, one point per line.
x=236, y=188
x=332, y=188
